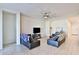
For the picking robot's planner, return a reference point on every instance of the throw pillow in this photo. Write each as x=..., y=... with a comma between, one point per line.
x=61, y=37
x=57, y=33
x=24, y=37
x=55, y=38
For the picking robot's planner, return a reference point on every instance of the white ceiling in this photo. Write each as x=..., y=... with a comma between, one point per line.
x=35, y=9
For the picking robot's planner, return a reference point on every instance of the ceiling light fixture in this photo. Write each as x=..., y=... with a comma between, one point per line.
x=48, y=15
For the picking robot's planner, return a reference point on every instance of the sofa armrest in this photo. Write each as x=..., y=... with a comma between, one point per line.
x=62, y=41
x=35, y=44
x=52, y=42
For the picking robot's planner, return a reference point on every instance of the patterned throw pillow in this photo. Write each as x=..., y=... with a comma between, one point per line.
x=61, y=37
x=24, y=37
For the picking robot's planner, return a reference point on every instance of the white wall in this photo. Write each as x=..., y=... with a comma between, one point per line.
x=1, y=41
x=43, y=28
x=27, y=24
x=9, y=28
x=17, y=28
x=47, y=28
x=58, y=24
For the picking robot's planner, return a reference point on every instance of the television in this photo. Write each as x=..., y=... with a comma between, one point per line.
x=36, y=30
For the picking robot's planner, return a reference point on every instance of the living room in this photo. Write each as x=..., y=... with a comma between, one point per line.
x=43, y=20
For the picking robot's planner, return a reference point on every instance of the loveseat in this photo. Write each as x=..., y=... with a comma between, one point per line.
x=57, y=39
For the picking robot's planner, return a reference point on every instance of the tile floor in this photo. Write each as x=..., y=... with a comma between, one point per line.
x=70, y=47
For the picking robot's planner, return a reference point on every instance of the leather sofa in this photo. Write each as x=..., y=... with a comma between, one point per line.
x=30, y=43
x=57, y=39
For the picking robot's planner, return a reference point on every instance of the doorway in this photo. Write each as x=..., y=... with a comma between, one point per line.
x=73, y=32
x=9, y=28
x=73, y=26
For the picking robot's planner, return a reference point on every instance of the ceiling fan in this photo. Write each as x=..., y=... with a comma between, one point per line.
x=48, y=15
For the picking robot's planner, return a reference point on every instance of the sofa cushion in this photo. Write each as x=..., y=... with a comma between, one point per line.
x=53, y=43
x=55, y=38
x=61, y=37
x=57, y=33
x=53, y=35
x=24, y=37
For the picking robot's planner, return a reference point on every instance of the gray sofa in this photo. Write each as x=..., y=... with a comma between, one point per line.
x=57, y=39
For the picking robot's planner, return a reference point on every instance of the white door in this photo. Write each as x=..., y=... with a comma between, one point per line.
x=9, y=28
x=74, y=26
x=73, y=33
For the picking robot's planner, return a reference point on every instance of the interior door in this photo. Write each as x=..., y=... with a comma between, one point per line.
x=9, y=28
x=73, y=33
x=73, y=26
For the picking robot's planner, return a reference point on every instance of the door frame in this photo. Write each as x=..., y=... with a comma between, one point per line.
x=70, y=26
x=17, y=26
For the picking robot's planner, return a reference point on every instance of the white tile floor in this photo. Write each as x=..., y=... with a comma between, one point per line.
x=71, y=46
